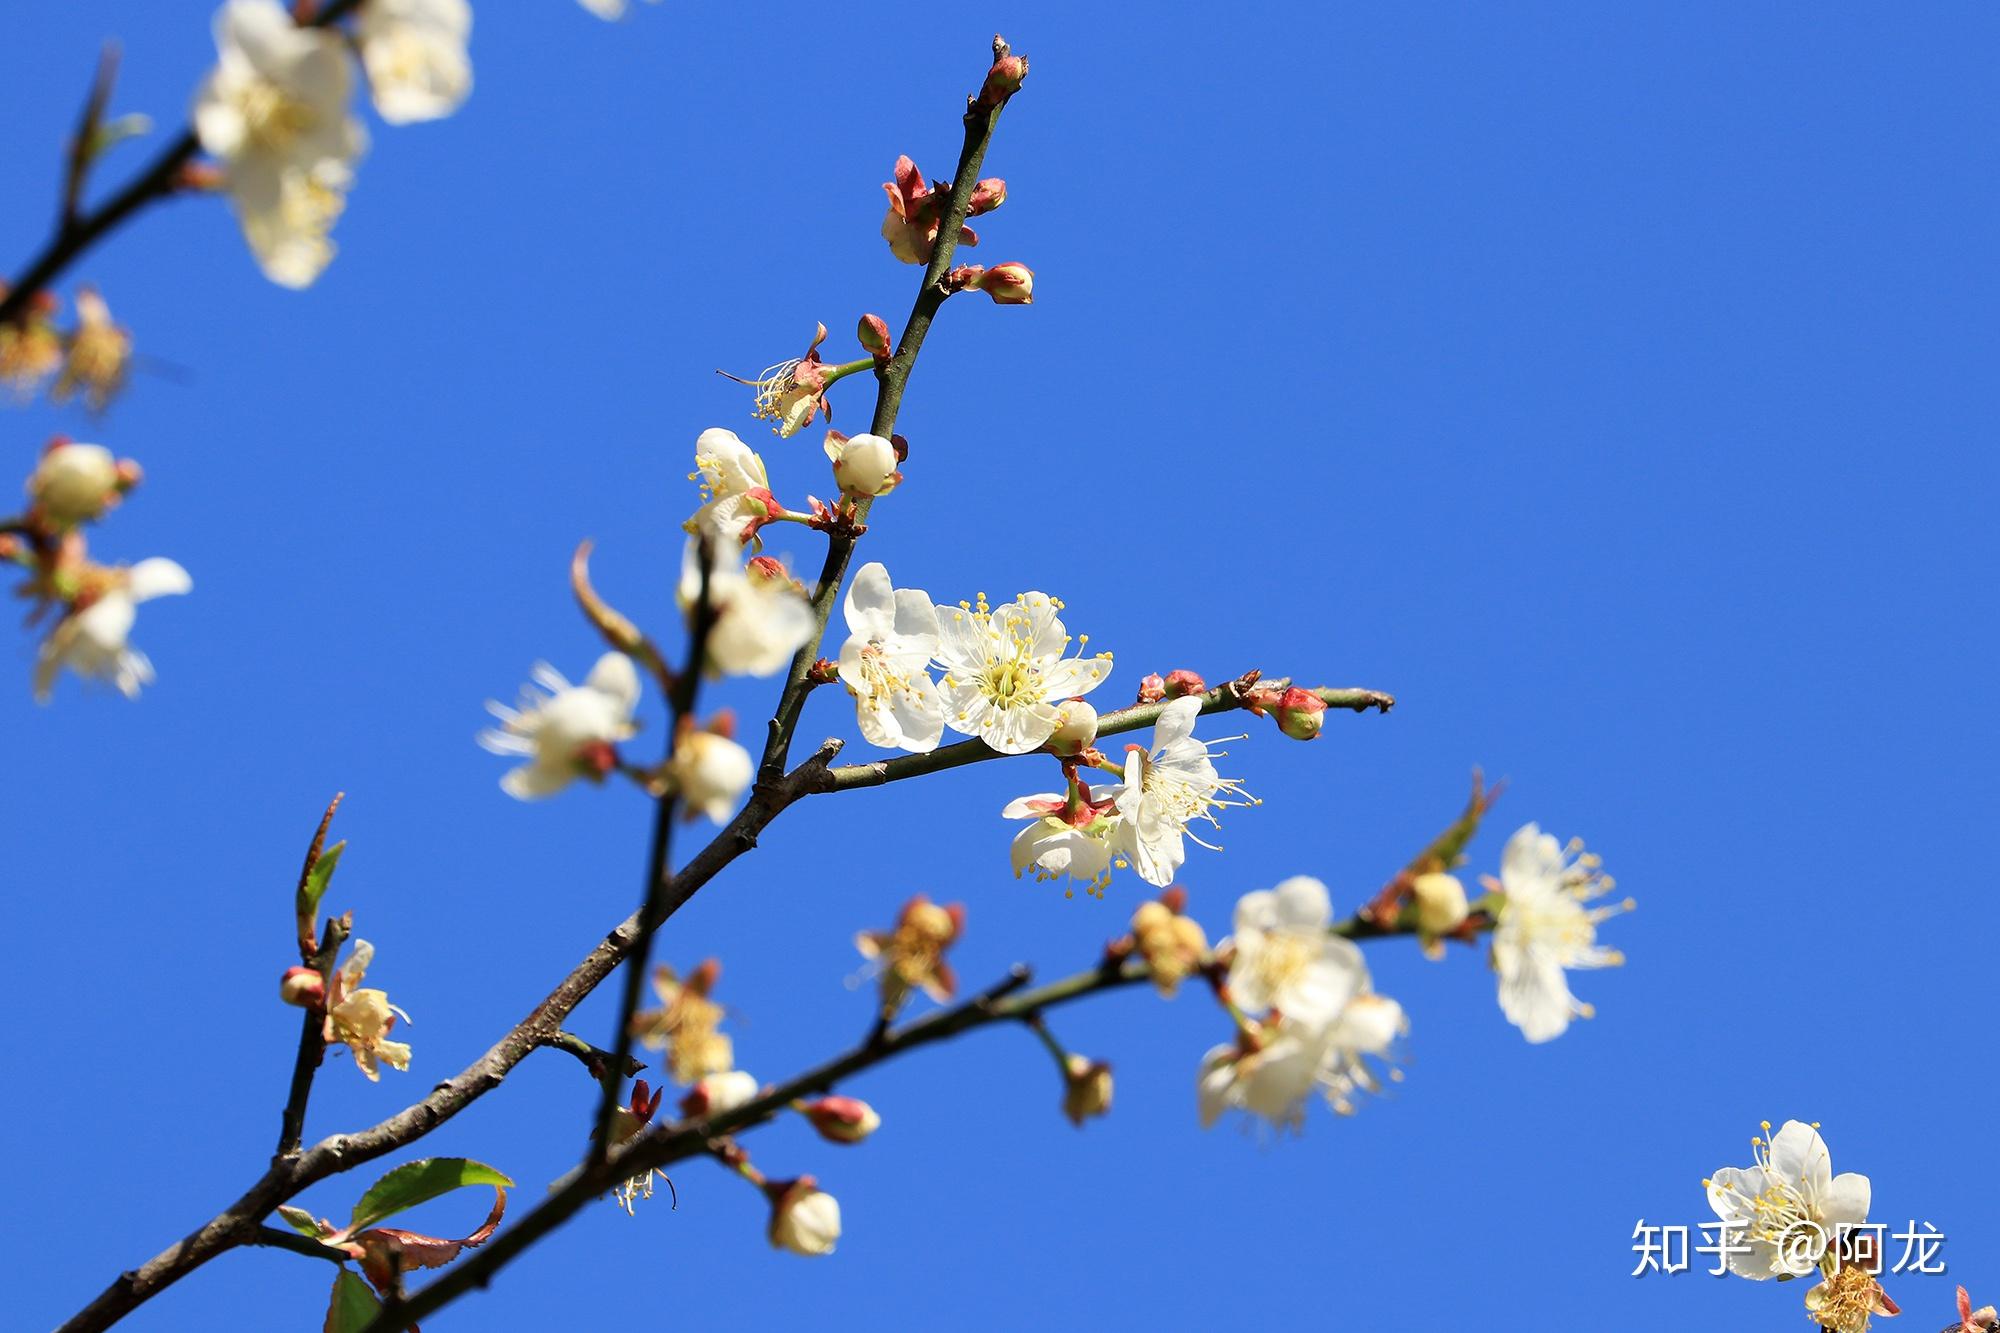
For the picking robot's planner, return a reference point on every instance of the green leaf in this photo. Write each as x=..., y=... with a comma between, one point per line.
x=315, y=886
x=303, y=1222
x=417, y=1182
x=353, y=1306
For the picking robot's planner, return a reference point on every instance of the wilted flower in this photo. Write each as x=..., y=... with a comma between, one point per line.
x=414, y=52
x=1788, y=1206
x=792, y=392
x=1845, y=1300
x=100, y=353
x=840, y=1119
x=864, y=466
x=1544, y=928
x=30, y=350
x=1086, y=1089
x=687, y=1023
x=1005, y=673
x=1171, y=942
x=1168, y=789
x=719, y=1094
x=361, y=1018
x=910, y=956
x=709, y=769
x=91, y=638
x=804, y=1218
x=275, y=111
x=892, y=635
x=1970, y=1320
x=626, y=1123
x=569, y=734
x=761, y=615
x=75, y=483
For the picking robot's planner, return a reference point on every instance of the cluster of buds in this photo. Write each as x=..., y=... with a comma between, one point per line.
x=94, y=606
x=1011, y=283
x=1171, y=942
x=91, y=361
x=1174, y=685
x=910, y=955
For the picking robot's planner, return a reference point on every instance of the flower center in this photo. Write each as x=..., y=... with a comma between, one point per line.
x=1283, y=960
x=1010, y=682
x=274, y=120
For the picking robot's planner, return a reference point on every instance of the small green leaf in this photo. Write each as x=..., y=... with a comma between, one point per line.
x=353, y=1306
x=314, y=888
x=416, y=1182
x=116, y=131
x=303, y=1222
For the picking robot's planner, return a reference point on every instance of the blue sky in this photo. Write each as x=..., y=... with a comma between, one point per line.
x=1610, y=383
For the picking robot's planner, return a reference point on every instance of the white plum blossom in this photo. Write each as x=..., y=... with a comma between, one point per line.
x=1005, y=673
x=1284, y=957
x=567, y=733
x=762, y=617
x=893, y=633
x=1168, y=789
x=805, y=1219
x=1787, y=1207
x=1056, y=843
x=732, y=476
x=1271, y=1082
x=720, y=1093
x=1544, y=929
x=94, y=642
x=1369, y=1025
x=414, y=52
x=275, y=111
x=864, y=466
x=711, y=772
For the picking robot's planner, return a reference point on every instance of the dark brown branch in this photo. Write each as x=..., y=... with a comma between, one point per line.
x=595, y=1060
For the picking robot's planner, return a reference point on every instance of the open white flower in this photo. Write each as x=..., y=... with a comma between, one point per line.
x=1168, y=789
x=762, y=617
x=1005, y=673
x=734, y=487
x=1545, y=928
x=1788, y=1207
x=361, y=1017
x=1368, y=1026
x=885, y=663
x=414, y=52
x=570, y=732
x=1057, y=844
x=274, y=110
x=1285, y=959
x=93, y=642
x=1272, y=1082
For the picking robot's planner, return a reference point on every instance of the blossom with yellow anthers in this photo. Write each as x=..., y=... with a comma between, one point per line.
x=1545, y=928
x=1845, y=1301
x=361, y=1018
x=1787, y=1207
x=910, y=955
x=100, y=354
x=687, y=1023
x=1166, y=790
x=1006, y=675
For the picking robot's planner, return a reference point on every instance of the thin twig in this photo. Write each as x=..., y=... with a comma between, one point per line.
x=595, y=1059
x=278, y=1238
x=83, y=146
x=312, y=1039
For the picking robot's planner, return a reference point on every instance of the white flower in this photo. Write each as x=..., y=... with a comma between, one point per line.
x=274, y=109
x=711, y=772
x=863, y=465
x=568, y=733
x=414, y=52
x=1165, y=791
x=721, y=1093
x=805, y=1220
x=1272, y=1082
x=1285, y=958
x=1005, y=675
x=1054, y=846
x=893, y=633
x=1788, y=1205
x=93, y=642
x=730, y=472
x=1544, y=928
x=74, y=483
x=761, y=616
x=1368, y=1026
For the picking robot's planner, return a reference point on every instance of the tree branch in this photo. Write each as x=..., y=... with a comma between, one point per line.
x=312, y=1036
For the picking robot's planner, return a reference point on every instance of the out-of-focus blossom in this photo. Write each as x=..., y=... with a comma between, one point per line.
x=1545, y=930
x=100, y=355
x=761, y=615
x=415, y=56
x=569, y=733
x=910, y=955
x=92, y=638
x=687, y=1025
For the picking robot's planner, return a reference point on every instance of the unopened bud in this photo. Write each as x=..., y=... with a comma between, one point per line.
x=719, y=1094
x=1005, y=78
x=1440, y=903
x=863, y=466
x=987, y=195
x=1300, y=713
x=302, y=986
x=873, y=334
x=1183, y=683
x=1086, y=1089
x=804, y=1218
x=75, y=483
x=1172, y=944
x=1009, y=284
x=1152, y=689
x=1076, y=727
x=841, y=1119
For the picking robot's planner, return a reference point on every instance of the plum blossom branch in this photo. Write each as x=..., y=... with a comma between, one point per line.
x=160, y=178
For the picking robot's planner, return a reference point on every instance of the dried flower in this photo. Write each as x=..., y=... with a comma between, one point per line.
x=361, y=1019
x=910, y=956
x=687, y=1024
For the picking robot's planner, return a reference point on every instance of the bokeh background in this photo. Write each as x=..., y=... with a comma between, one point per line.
x=1613, y=384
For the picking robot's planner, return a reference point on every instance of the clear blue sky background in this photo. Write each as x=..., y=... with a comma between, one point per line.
x=1614, y=384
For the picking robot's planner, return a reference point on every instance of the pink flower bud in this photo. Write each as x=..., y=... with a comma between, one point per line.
x=1009, y=284
x=1004, y=79
x=303, y=987
x=1181, y=683
x=873, y=334
x=719, y=1094
x=987, y=195
x=1152, y=689
x=1300, y=713
x=842, y=1119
